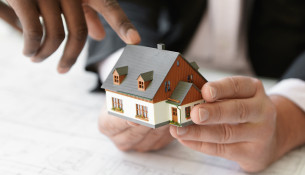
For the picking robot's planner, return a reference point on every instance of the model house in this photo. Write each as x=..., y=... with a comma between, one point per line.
x=153, y=87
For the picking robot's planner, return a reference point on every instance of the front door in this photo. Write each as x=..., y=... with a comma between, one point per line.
x=174, y=114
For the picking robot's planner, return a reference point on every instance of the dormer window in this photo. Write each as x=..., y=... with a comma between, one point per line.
x=116, y=79
x=119, y=74
x=141, y=85
x=144, y=80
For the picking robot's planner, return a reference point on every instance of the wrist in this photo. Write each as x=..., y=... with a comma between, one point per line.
x=289, y=125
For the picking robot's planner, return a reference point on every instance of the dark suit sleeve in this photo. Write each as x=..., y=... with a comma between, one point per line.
x=297, y=69
x=158, y=21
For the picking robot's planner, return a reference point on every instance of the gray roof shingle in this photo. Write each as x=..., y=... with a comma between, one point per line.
x=122, y=70
x=147, y=76
x=141, y=59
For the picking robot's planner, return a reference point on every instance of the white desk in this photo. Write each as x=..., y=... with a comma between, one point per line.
x=48, y=126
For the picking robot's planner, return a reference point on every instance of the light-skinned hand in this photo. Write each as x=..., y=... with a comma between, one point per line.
x=241, y=123
x=81, y=17
x=131, y=136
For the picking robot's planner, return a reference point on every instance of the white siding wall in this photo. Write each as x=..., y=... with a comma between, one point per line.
x=157, y=113
x=162, y=112
x=129, y=106
x=183, y=110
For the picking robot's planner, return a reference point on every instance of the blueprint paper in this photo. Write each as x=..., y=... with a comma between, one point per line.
x=48, y=126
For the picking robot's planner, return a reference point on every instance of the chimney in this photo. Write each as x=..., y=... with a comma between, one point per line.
x=161, y=46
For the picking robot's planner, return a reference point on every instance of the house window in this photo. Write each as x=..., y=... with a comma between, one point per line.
x=141, y=112
x=190, y=78
x=116, y=79
x=141, y=84
x=188, y=112
x=178, y=63
x=117, y=105
x=167, y=86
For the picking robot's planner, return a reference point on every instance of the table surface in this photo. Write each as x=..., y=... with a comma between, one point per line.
x=48, y=125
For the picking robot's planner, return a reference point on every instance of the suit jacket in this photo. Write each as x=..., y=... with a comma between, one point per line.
x=276, y=35
x=277, y=38
x=172, y=22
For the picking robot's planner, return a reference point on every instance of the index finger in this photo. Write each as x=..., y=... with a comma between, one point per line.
x=229, y=88
x=28, y=14
x=117, y=19
x=8, y=15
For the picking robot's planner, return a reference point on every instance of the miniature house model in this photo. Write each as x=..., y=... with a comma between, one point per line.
x=153, y=87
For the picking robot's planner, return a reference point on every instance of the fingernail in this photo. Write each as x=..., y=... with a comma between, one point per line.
x=29, y=54
x=203, y=114
x=132, y=123
x=36, y=59
x=181, y=130
x=63, y=70
x=213, y=92
x=133, y=36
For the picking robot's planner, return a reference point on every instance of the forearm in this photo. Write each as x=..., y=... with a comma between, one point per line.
x=290, y=125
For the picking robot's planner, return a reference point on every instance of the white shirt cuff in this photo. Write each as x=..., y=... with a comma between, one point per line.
x=106, y=65
x=293, y=89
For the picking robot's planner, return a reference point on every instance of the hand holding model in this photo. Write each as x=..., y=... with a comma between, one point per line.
x=81, y=16
x=241, y=123
x=127, y=135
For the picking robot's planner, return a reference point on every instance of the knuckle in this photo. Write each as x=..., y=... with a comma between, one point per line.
x=58, y=37
x=34, y=35
x=258, y=84
x=68, y=62
x=227, y=133
x=80, y=33
x=111, y=4
x=269, y=110
x=243, y=111
x=235, y=86
x=219, y=113
x=219, y=150
x=196, y=132
x=125, y=24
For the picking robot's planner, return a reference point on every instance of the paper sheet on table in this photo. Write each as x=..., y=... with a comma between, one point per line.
x=48, y=126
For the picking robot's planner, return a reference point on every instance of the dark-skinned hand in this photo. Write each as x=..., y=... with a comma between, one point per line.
x=9, y=16
x=81, y=17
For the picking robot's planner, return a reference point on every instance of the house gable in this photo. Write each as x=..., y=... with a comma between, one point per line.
x=193, y=94
x=179, y=71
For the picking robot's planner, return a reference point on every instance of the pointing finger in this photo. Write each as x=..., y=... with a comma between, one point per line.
x=117, y=19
